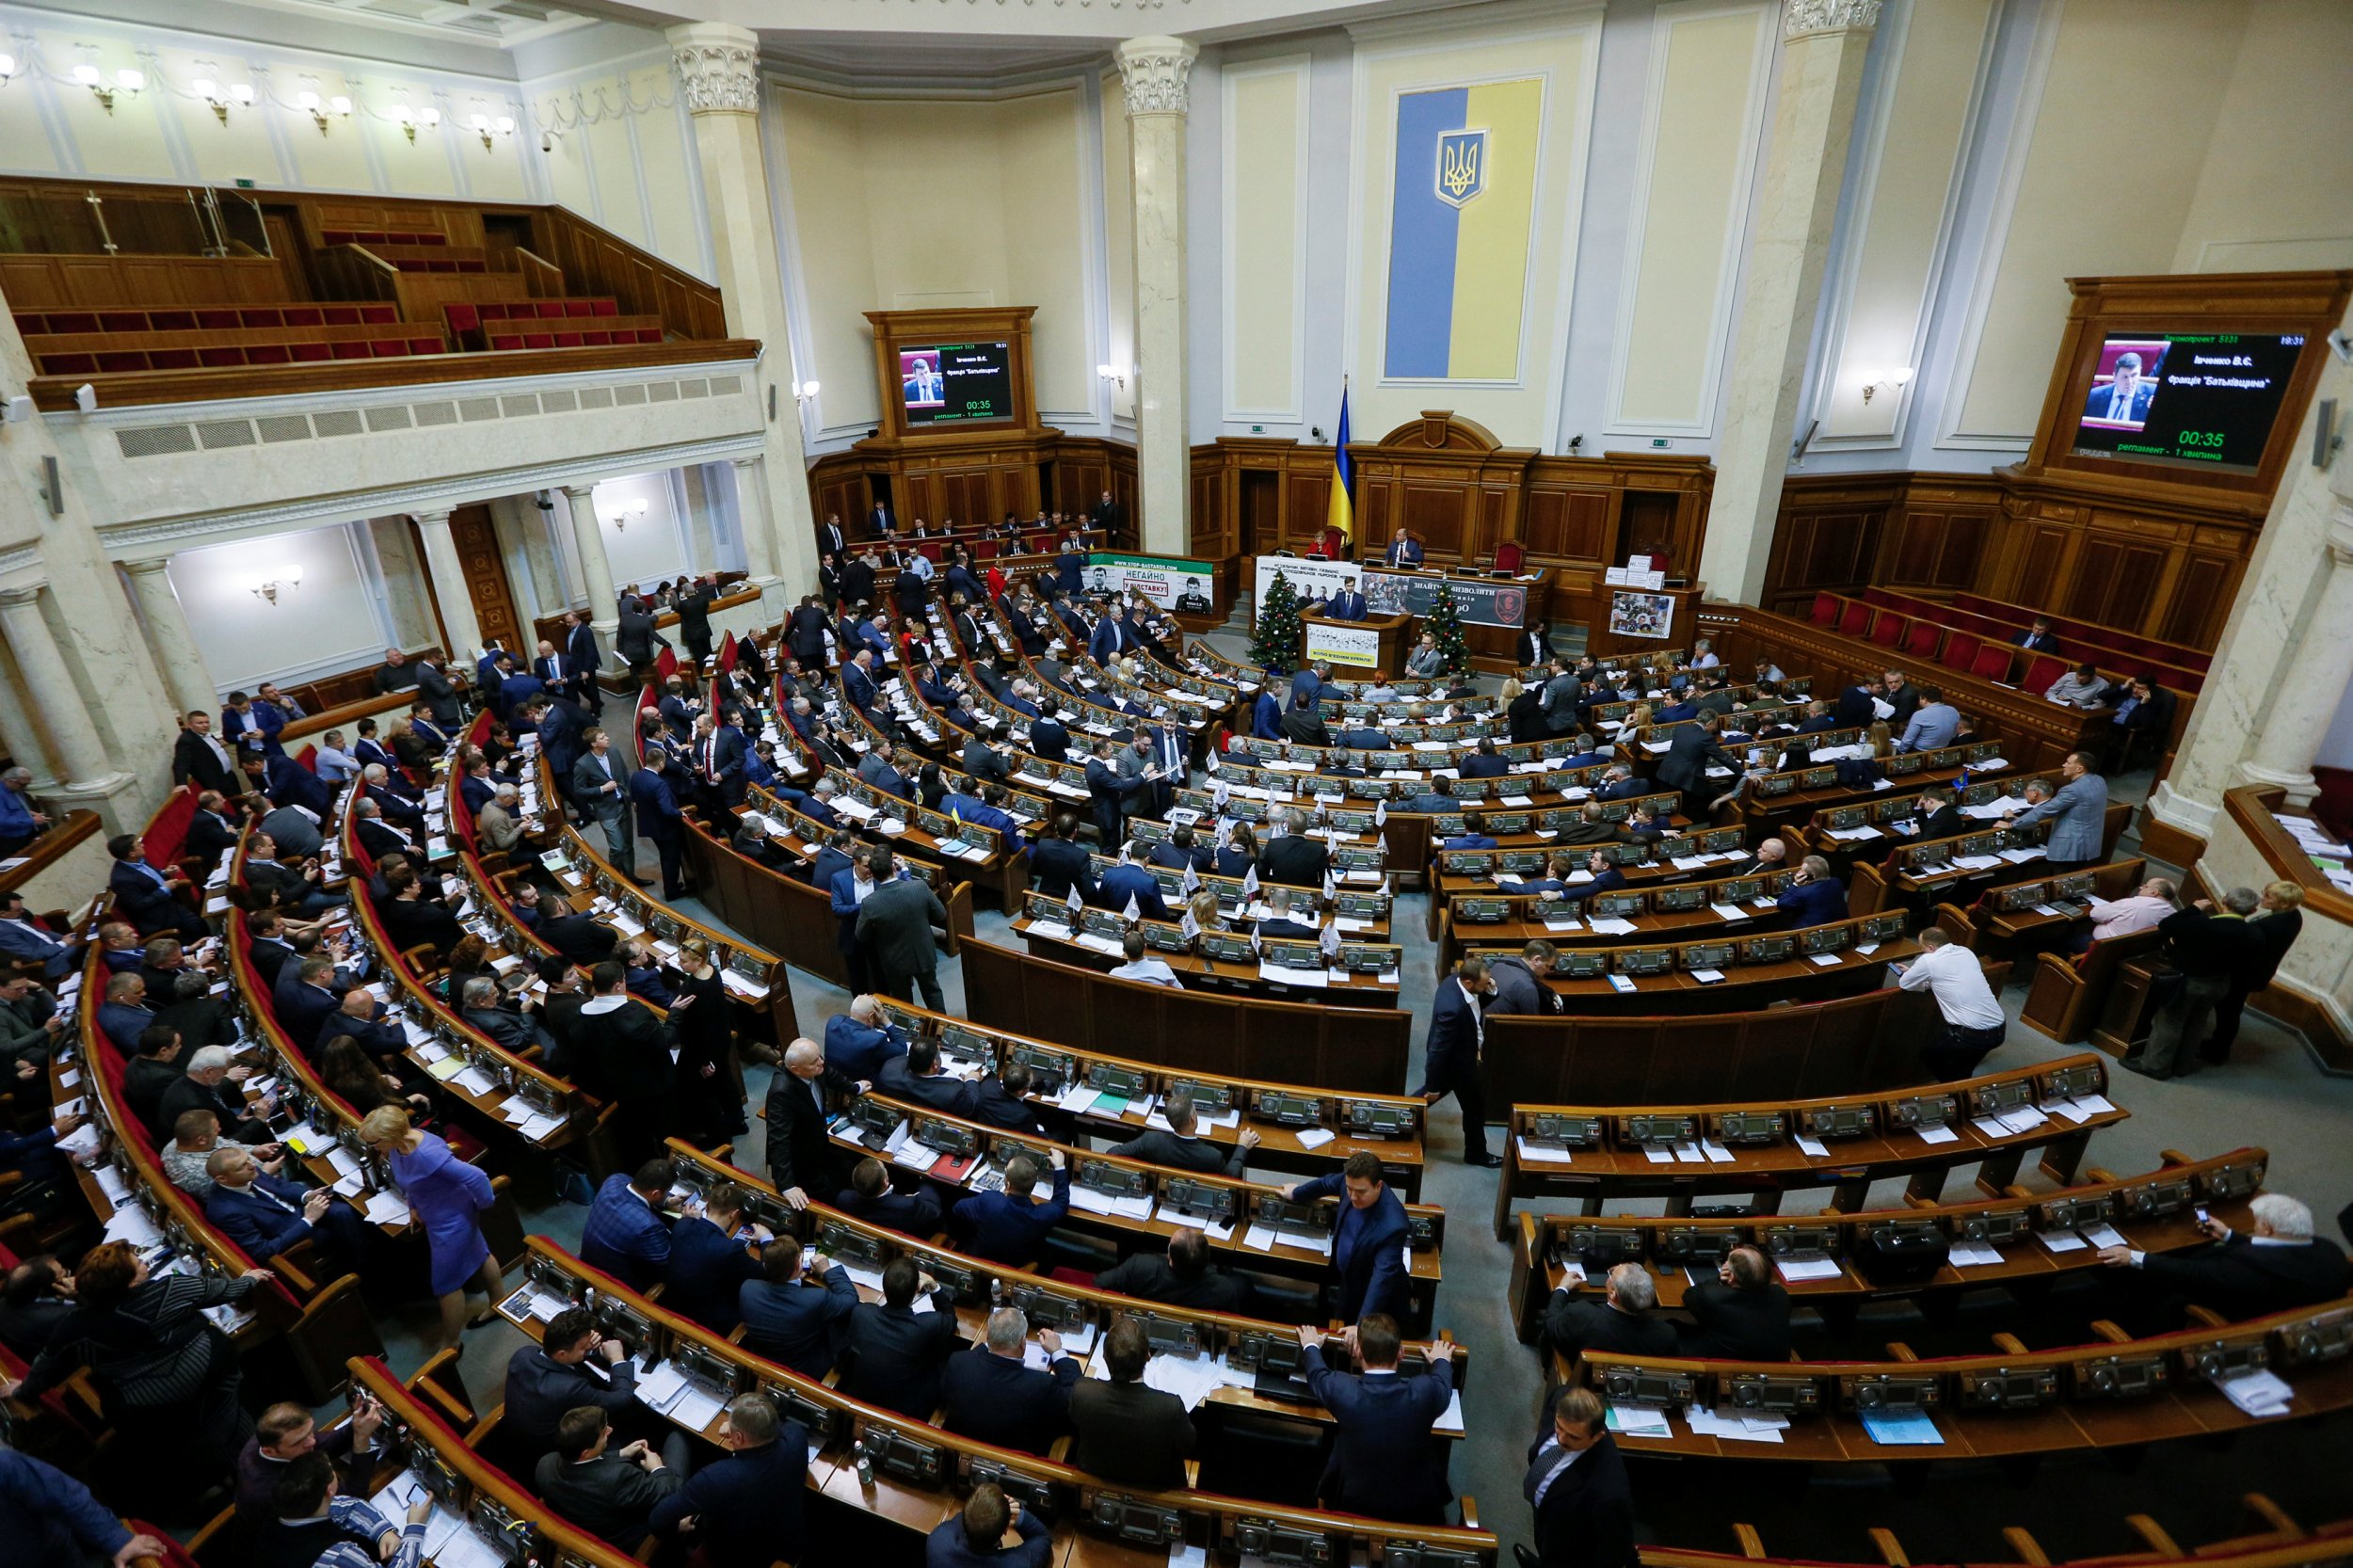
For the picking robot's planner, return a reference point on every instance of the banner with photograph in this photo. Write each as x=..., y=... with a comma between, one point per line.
x=1479, y=600
x=1172, y=585
x=1634, y=615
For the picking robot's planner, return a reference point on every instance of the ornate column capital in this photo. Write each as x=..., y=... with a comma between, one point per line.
x=718, y=67
x=431, y=520
x=1805, y=18
x=146, y=568
x=22, y=594
x=1154, y=70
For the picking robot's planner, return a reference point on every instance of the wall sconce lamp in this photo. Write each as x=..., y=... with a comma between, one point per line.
x=620, y=514
x=221, y=98
x=8, y=68
x=487, y=128
x=411, y=118
x=1891, y=379
x=1110, y=373
x=289, y=578
x=803, y=391
x=126, y=82
x=309, y=102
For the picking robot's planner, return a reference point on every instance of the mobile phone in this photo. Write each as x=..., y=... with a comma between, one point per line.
x=2203, y=1217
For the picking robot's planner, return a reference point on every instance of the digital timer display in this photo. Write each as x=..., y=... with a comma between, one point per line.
x=956, y=383
x=2205, y=400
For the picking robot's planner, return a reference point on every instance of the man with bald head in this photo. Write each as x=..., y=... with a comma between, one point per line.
x=798, y=1156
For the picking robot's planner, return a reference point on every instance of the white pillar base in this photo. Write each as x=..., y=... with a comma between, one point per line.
x=2302, y=788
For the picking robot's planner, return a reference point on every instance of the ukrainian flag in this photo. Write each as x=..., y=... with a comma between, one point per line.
x=1342, y=512
x=1463, y=208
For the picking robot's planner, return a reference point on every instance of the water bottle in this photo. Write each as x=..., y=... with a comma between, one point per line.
x=865, y=1463
x=996, y=1291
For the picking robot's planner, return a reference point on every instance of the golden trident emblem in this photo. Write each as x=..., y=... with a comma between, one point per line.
x=1461, y=174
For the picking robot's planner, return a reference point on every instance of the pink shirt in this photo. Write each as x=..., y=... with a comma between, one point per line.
x=2125, y=916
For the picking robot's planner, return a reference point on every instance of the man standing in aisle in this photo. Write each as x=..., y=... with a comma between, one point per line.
x=1456, y=1043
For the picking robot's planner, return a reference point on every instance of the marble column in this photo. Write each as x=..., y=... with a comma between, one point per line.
x=462, y=632
x=2282, y=648
x=88, y=772
x=169, y=633
x=2300, y=714
x=21, y=736
x=1154, y=72
x=596, y=566
x=1823, y=44
x=751, y=512
x=718, y=73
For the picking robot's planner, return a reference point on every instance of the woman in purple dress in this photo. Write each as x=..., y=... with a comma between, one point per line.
x=447, y=1197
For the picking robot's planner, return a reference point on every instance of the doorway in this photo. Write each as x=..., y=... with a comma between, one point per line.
x=471, y=531
x=1261, y=511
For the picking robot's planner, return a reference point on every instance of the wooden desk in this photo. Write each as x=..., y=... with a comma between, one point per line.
x=1058, y=943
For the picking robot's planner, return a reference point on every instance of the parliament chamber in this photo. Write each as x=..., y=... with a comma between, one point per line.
x=1311, y=783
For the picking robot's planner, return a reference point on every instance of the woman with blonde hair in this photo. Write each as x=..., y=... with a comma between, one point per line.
x=447, y=1197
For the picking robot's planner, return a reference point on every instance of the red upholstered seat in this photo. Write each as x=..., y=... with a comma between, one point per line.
x=1825, y=610
x=985, y=550
x=1992, y=663
x=1508, y=554
x=1889, y=630
x=1960, y=650
x=2043, y=672
x=1855, y=619
x=1920, y=642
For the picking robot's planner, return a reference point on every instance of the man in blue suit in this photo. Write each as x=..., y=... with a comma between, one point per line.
x=267, y=1215
x=873, y=1197
x=786, y=1321
x=858, y=680
x=1813, y=897
x=1311, y=681
x=1603, y=863
x=624, y=1236
x=976, y=1537
x=991, y=1395
x=985, y=810
x=27, y=942
x=744, y=1511
x=1369, y=1240
x=1009, y=1227
x=2126, y=397
x=1127, y=880
x=1384, y=1462
x=1266, y=714
x=1104, y=643
x=858, y=1042
x=1457, y=1039
x=851, y=888
x=1109, y=790
x=287, y=782
x=1059, y=862
x=660, y=819
x=710, y=1260
x=146, y=897
x=1405, y=551
x=1348, y=604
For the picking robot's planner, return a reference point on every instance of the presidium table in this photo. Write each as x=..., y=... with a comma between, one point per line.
x=1494, y=610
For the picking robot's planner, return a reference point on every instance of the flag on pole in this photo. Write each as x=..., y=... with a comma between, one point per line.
x=1189, y=927
x=1330, y=941
x=1074, y=902
x=1191, y=883
x=1342, y=512
x=1250, y=882
x=1132, y=914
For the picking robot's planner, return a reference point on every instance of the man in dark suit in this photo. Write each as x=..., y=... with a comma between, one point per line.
x=1692, y=750
x=146, y=897
x=1129, y=1432
x=625, y=1233
x=975, y=1537
x=2273, y=929
x=1934, y=815
x=1577, y=1487
x=1384, y=1462
x=1368, y=1241
x=1740, y=1315
x=1010, y=1226
x=711, y=1259
x=198, y=757
x=606, y=1492
x=1856, y=705
x=1000, y=1099
x=858, y=1042
x=1405, y=551
x=1456, y=1043
x=1059, y=862
x=1813, y=897
x=2276, y=1265
x=786, y=1319
x=1623, y=1324
x=918, y=1078
x=744, y=1511
x=1348, y=604
x=1484, y=763
x=658, y=817
x=897, y=1354
x=620, y=1050
x=305, y=997
x=2038, y=638
x=436, y=691
x=894, y=930
x=881, y=1195
x=1181, y=1278
x=1182, y=1148
x=268, y=1215
x=1294, y=859
x=544, y=1381
x=797, y=1150
x=1127, y=881
x=1109, y=790
x=1606, y=878
x=991, y=1395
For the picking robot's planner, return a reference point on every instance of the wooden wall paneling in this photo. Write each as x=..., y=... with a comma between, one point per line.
x=2208, y=586
x=478, y=552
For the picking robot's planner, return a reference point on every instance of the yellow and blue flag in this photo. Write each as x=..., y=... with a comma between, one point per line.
x=1342, y=512
x=1461, y=216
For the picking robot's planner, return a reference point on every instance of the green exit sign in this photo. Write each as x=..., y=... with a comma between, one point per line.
x=1660, y=443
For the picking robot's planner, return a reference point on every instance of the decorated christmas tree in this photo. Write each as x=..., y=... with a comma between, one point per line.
x=1445, y=623
x=1274, y=638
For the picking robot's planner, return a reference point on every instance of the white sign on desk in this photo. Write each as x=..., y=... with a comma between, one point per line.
x=1343, y=643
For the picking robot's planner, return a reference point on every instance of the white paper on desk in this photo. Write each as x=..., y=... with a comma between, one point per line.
x=539, y=1125
x=1689, y=1154
x=1452, y=1419
x=1543, y=1154
x=693, y=1409
x=1640, y=1420
x=2103, y=1235
x=1796, y=1268
x=1727, y=912
x=1313, y=979
x=131, y=1223
x=343, y=1161
x=2257, y=1393
x=111, y=1183
x=1973, y=1255
x=82, y=1140
x=1716, y=1154
x=1659, y=1154
x=2061, y=1241
x=475, y=1082
x=660, y=1386
x=2023, y=1118
x=1079, y=1099
x=1316, y=1137
x=1188, y=1557
x=1988, y=1128
x=1609, y=926
x=386, y=1209
x=1937, y=1135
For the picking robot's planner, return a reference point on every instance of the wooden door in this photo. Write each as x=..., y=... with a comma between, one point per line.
x=1261, y=511
x=471, y=532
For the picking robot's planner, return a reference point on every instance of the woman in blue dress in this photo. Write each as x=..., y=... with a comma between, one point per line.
x=447, y=1197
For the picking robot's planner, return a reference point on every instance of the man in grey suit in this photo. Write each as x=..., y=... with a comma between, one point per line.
x=1558, y=701
x=602, y=791
x=1181, y=1148
x=2079, y=813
